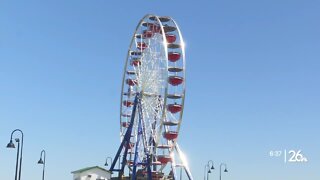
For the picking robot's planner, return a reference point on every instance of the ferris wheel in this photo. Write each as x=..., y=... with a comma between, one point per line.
x=152, y=102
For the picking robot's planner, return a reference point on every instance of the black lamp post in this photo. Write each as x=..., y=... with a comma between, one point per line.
x=43, y=162
x=106, y=164
x=19, y=153
x=225, y=168
x=11, y=145
x=211, y=166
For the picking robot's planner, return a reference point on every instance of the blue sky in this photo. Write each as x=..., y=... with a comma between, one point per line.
x=253, y=83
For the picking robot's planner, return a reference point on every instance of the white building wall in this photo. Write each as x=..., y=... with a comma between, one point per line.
x=94, y=173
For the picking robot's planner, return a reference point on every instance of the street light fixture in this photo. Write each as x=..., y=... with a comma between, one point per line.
x=43, y=162
x=11, y=145
x=210, y=163
x=225, y=170
x=40, y=161
x=106, y=164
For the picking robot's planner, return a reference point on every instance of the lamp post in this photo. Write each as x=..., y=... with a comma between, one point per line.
x=19, y=153
x=225, y=170
x=43, y=162
x=11, y=145
x=106, y=164
x=210, y=162
x=206, y=171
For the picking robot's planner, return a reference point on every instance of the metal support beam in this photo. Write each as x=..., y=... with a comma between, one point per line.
x=185, y=165
x=125, y=142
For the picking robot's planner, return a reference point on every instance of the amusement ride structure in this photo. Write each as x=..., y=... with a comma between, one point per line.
x=152, y=102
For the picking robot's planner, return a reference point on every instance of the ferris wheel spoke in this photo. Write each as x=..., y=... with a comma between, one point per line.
x=154, y=113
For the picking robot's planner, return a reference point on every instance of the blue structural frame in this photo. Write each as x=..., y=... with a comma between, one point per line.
x=125, y=144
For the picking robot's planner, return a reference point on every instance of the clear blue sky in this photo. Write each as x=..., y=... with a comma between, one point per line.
x=253, y=83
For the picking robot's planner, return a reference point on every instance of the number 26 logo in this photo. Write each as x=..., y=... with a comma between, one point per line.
x=296, y=156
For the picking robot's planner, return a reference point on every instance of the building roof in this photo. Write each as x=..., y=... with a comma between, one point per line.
x=89, y=168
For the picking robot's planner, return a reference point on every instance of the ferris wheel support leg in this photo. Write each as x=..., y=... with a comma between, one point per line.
x=125, y=142
x=149, y=167
x=185, y=165
x=136, y=154
x=135, y=163
x=173, y=166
